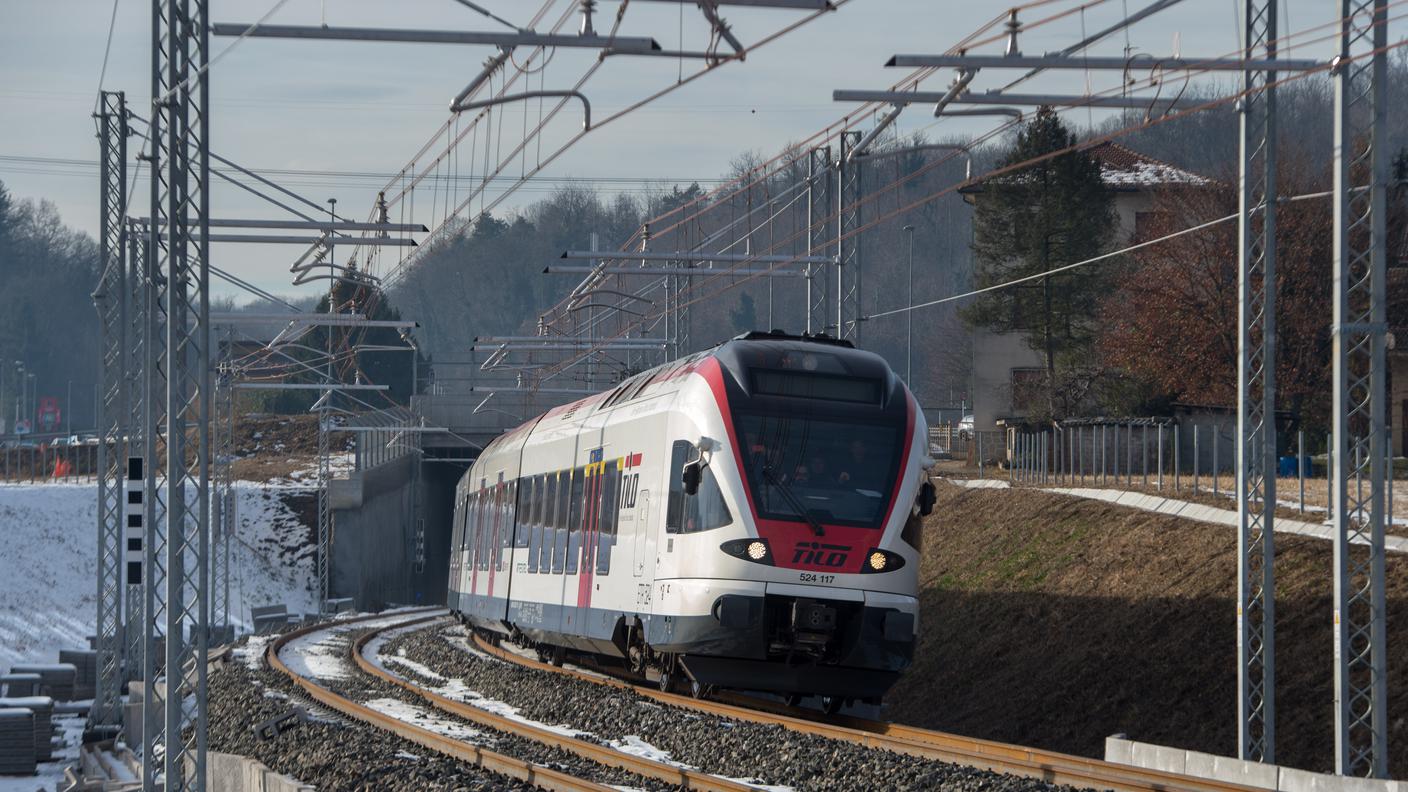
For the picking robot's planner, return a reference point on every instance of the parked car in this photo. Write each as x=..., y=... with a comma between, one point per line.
x=965, y=428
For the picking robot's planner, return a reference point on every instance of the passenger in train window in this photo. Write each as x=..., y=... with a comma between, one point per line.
x=858, y=470
x=706, y=509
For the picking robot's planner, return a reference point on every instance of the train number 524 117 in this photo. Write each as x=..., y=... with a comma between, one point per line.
x=812, y=577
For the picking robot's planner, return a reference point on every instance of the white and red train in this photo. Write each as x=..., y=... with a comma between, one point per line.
x=747, y=517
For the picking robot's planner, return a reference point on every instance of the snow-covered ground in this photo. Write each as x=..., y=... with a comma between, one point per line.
x=48, y=587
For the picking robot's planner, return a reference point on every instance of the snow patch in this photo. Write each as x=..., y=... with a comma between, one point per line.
x=252, y=653
x=48, y=601
x=322, y=654
x=632, y=744
x=418, y=716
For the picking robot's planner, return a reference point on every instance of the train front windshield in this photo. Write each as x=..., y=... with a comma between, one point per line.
x=840, y=472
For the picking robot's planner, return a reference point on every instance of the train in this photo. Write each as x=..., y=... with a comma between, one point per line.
x=747, y=517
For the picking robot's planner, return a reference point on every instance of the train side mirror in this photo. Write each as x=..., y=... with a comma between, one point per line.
x=691, y=475
x=928, y=496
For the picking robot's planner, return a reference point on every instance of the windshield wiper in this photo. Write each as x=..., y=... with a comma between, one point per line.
x=793, y=500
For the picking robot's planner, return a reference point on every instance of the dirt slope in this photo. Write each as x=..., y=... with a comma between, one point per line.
x=1054, y=621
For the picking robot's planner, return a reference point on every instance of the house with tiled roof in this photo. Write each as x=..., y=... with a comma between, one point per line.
x=1003, y=363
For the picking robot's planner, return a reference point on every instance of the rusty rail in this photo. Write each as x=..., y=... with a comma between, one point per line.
x=601, y=754
x=528, y=772
x=998, y=757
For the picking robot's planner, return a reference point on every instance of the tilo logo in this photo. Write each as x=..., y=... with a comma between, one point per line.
x=820, y=554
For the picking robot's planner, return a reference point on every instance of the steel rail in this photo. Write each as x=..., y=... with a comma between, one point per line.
x=1051, y=766
x=527, y=772
x=601, y=754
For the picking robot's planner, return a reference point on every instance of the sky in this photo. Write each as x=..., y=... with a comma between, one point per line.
x=340, y=108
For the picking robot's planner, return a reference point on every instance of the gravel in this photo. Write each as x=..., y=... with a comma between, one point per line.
x=335, y=752
x=328, y=751
x=769, y=754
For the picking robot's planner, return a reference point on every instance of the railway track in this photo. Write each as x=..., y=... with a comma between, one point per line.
x=998, y=757
x=512, y=767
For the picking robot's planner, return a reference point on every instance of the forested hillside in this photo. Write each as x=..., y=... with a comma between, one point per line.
x=47, y=319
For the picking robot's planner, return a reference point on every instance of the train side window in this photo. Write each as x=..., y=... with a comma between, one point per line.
x=680, y=454
x=574, y=519
x=533, y=487
x=610, y=510
x=481, y=528
x=476, y=507
x=561, y=485
x=523, y=520
x=540, y=528
x=509, y=527
x=706, y=509
x=702, y=511
x=486, y=531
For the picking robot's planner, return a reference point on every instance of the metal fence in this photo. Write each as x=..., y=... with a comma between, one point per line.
x=27, y=461
x=1153, y=454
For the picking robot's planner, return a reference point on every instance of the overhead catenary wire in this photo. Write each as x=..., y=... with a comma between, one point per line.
x=107, y=50
x=185, y=85
x=761, y=172
x=875, y=195
x=1015, y=166
x=392, y=277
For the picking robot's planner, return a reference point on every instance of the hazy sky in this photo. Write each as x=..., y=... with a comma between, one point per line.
x=365, y=108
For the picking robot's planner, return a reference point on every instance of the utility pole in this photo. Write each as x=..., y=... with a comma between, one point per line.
x=180, y=215
x=324, y=415
x=111, y=301
x=909, y=316
x=1256, y=392
x=1357, y=510
x=848, y=222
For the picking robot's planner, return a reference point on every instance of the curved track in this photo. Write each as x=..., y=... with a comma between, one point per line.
x=999, y=757
x=538, y=775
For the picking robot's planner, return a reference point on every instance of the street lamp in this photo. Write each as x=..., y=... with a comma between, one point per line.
x=909, y=316
x=19, y=404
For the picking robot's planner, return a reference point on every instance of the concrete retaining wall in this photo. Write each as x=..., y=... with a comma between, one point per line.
x=1225, y=768
x=231, y=773
x=374, y=534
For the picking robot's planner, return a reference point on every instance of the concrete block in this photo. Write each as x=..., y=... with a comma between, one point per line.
x=1229, y=769
x=1292, y=780
x=1168, y=506
x=345, y=493
x=132, y=722
x=1150, y=502
x=1117, y=750
x=1158, y=757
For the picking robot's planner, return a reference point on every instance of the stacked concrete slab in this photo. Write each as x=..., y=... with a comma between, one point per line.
x=85, y=684
x=42, y=731
x=56, y=680
x=19, y=684
x=17, y=741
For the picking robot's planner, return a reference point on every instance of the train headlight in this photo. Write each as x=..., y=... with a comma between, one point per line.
x=878, y=560
x=756, y=550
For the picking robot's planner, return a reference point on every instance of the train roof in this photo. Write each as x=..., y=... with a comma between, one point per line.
x=759, y=348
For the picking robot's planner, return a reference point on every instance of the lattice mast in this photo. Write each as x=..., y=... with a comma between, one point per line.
x=1361, y=173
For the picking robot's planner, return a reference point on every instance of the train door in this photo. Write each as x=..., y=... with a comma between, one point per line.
x=642, y=529
x=494, y=557
x=591, y=526
x=667, y=561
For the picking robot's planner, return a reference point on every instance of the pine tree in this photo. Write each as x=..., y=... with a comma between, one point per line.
x=1054, y=212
